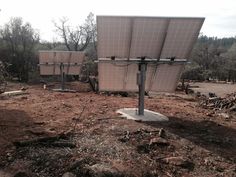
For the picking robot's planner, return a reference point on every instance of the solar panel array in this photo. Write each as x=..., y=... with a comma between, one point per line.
x=155, y=38
x=50, y=62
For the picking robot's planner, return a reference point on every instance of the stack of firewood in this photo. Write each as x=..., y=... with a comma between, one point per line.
x=226, y=103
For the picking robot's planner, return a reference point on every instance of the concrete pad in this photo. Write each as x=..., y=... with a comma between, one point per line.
x=64, y=90
x=132, y=113
x=14, y=93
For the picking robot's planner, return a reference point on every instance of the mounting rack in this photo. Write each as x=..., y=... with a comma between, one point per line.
x=141, y=75
x=62, y=74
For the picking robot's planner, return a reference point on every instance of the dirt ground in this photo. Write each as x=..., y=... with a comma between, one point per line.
x=220, y=89
x=93, y=140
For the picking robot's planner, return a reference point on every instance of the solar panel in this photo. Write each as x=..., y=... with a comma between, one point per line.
x=111, y=76
x=147, y=37
x=166, y=77
x=132, y=38
x=130, y=81
x=48, y=58
x=114, y=36
x=50, y=62
x=181, y=36
x=153, y=37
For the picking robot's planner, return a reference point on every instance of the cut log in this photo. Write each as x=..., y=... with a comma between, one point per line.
x=14, y=93
x=54, y=141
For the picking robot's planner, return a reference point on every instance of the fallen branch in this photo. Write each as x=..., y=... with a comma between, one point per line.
x=63, y=144
x=47, y=141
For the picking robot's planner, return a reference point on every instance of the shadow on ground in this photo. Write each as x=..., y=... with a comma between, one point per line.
x=216, y=138
x=14, y=125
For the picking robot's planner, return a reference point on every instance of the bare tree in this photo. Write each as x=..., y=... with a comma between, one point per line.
x=62, y=30
x=91, y=27
x=79, y=37
x=18, y=47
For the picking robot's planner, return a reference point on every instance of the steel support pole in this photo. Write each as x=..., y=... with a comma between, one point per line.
x=141, y=87
x=62, y=76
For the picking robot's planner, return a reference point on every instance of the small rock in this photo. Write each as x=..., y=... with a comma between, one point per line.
x=211, y=95
x=161, y=133
x=158, y=141
x=233, y=108
x=24, y=88
x=39, y=122
x=75, y=118
x=36, y=132
x=138, y=120
x=9, y=157
x=66, y=105
x=179, y=161
x=101, y=112
x=224, y=115
x=210, y=114
x=68, y=174
x=126, y=137
x=198, y=94
x=52, y=129
x=99, y=170
x=47, y=164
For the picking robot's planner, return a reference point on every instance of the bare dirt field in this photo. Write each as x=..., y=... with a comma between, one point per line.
x=220, y=89
x=44, y=134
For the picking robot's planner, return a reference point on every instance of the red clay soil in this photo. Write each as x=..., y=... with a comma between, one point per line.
x=194, y=142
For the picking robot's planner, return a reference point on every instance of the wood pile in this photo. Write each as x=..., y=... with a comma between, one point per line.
x=227, y=103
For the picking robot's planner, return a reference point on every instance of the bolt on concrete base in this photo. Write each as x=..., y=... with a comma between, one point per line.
x=132, y=113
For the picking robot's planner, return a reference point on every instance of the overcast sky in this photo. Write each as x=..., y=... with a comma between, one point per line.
x=220, y=14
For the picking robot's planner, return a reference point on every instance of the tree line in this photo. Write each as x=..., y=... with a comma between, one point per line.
x=212, y=58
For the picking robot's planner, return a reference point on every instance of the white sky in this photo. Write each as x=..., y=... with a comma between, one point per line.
x=220, y=14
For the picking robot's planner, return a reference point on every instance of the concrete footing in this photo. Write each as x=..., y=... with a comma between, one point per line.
x=132, y=113
x=64, y=90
